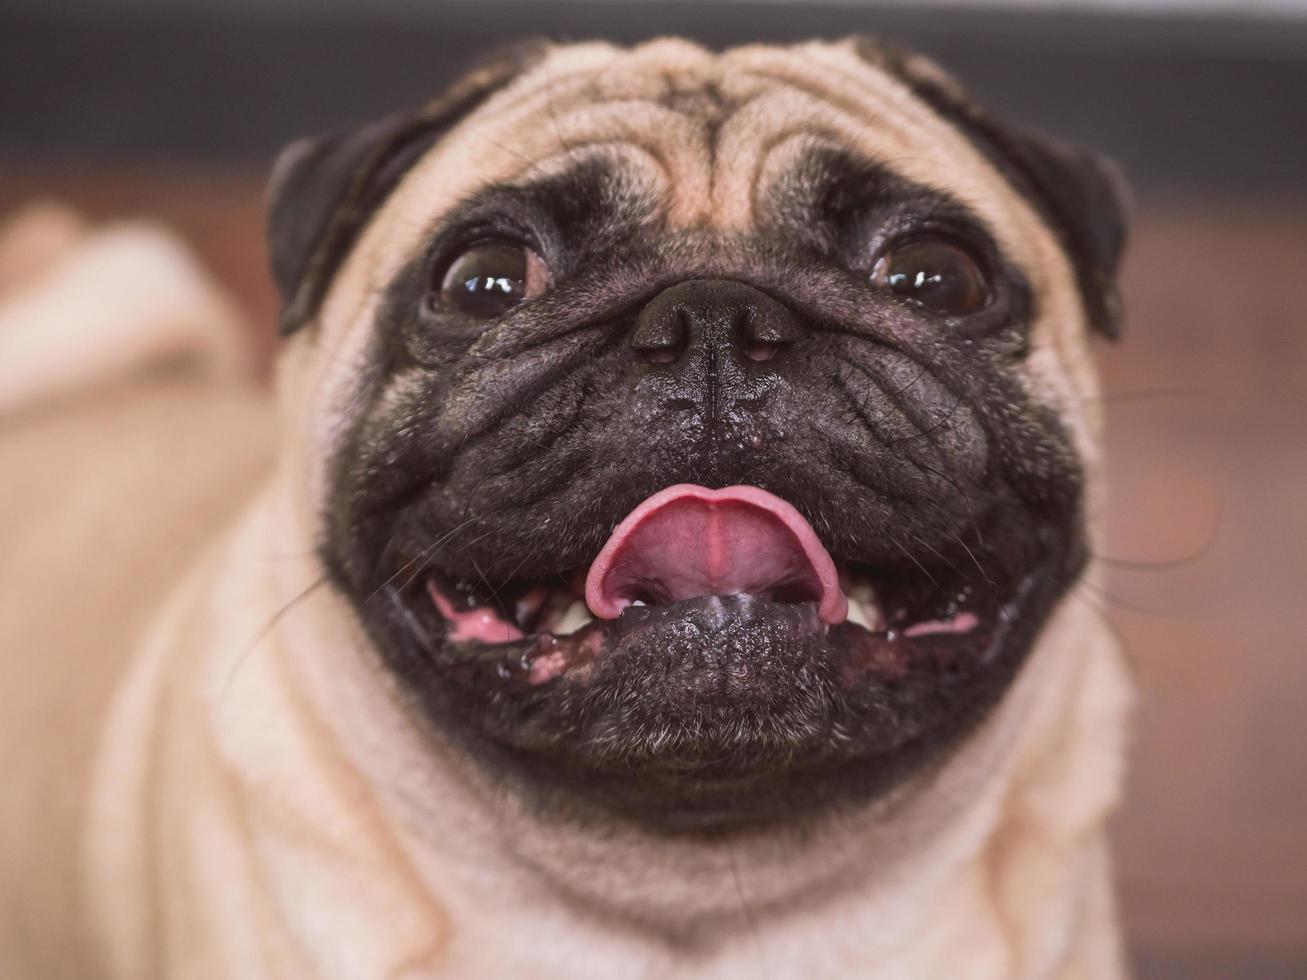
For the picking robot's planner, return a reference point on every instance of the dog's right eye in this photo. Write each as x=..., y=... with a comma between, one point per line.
x=491, y=277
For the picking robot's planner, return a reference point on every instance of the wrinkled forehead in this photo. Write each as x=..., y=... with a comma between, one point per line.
x=705, y=134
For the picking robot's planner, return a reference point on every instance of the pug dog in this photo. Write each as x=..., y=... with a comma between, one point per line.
x=670, y=565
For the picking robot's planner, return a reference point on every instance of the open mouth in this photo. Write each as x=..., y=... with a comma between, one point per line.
x=715, y=664
x=695, y=557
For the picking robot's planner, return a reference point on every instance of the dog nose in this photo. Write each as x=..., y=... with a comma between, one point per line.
x=717, y=315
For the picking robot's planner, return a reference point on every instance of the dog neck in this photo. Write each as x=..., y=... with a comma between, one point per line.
x=288, y=765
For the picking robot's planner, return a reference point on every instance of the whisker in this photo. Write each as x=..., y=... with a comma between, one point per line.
x=553, y=118
x=1116, y=631
x=750, y=921
x=1136, y=607
x=926, y=433
x=976, y=561
x=413, y=578
x=913, y=558
x=1152, y=565
x=1148, y=394
x=533, y=166
x=1169, y=564
x=949, y=480
x=424, y=555
x=494, y=591
x=936, y=552
x=891, y=397
x=273, y=620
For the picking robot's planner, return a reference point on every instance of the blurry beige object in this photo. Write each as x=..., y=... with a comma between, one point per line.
x=83, y=306
x=34, y=240
x=112, y=474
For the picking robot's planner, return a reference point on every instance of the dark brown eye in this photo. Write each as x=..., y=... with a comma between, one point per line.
x=492, y=277
x=934, y=273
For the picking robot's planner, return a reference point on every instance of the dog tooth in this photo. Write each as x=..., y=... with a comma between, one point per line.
x=858, y=615
x=864, y=608
x=577, y=616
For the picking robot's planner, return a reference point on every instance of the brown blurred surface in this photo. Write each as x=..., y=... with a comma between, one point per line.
x=1206, y=539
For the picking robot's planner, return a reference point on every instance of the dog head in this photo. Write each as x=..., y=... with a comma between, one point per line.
x=700, y=439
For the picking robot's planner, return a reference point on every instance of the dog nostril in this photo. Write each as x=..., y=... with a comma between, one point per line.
x=661, y=339
x=761, y=352
x=765, y=330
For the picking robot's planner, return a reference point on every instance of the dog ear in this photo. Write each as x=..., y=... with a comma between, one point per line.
x=323, y=190
x=1082, y=194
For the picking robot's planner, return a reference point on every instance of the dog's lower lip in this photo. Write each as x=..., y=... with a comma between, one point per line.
x=539, y=611
x=540, y=656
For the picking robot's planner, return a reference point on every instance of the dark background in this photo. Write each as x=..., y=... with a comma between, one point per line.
x=1193, y=103
x=174, y=110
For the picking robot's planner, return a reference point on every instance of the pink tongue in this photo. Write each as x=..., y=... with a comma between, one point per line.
x=688, y=541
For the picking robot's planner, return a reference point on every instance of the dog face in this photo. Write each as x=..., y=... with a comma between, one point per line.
x=700, y=439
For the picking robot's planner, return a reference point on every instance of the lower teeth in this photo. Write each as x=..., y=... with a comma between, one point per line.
x=863, y=611
x=576, y=617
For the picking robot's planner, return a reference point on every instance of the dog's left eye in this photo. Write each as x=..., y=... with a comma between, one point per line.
x=491, y=277
x=934, y=273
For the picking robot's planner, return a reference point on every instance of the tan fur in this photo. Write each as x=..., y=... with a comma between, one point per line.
x=264, y=805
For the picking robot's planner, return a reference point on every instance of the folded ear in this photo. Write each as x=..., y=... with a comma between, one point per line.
x=1080, y=193
x=323, y=190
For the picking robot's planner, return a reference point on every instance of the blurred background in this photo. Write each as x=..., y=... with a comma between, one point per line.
x=173, y=109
